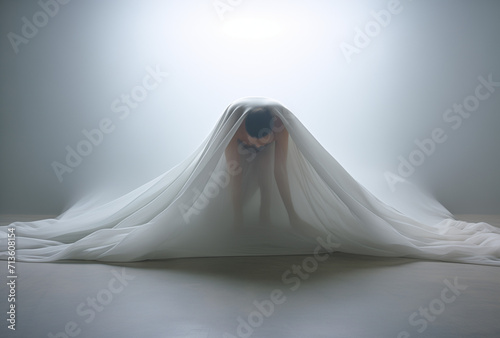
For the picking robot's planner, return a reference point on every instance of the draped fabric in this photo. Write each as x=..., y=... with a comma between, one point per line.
x=187, y=212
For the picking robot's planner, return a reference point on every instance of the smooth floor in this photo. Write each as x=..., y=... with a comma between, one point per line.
x=282, y=296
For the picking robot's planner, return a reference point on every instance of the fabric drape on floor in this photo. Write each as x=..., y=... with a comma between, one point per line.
x=187, y=212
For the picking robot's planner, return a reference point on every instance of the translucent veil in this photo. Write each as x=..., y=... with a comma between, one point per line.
x=187, y=212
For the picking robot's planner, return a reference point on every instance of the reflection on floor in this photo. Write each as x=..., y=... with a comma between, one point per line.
x=288, y=296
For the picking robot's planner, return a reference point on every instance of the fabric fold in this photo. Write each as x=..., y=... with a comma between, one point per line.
x=187, y=212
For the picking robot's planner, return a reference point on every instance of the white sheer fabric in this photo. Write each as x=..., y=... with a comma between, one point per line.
x=187, y=212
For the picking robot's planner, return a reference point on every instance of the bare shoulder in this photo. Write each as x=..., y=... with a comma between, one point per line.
x=277, y=123
x=279, y=129
x=238, y=134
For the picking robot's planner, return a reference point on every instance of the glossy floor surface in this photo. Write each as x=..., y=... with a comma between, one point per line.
x=288, y=296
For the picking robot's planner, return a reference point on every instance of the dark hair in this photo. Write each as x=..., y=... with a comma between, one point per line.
x=259, y=122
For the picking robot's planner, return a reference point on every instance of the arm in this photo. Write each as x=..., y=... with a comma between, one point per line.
x=265, y=181
x=280, y=170
x=232, y=157
x=281, y=176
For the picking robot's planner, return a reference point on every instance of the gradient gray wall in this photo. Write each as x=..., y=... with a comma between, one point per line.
x=365, y=83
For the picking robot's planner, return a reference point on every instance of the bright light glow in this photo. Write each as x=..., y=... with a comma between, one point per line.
x=252, y=28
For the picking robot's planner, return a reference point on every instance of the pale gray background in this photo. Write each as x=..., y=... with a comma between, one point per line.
x=366, y=113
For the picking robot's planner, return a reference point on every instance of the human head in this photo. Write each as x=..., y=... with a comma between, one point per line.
x=258, y=125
